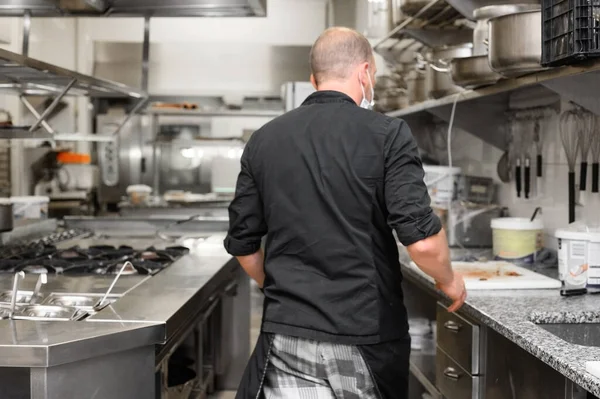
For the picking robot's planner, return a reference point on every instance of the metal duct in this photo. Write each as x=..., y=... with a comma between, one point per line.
x=135, y=8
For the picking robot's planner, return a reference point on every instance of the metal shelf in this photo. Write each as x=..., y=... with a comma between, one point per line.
x=21, y=134
x=134, y=8
x=482, y=112
x=436, y=24
x=211, y=113
x=26, y=75
x=422, y=367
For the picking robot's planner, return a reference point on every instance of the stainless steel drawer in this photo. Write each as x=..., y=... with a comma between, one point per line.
x=459, y=338
x=452, y=380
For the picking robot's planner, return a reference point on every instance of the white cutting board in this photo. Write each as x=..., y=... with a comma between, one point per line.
x=498, y=276
x=593, y=368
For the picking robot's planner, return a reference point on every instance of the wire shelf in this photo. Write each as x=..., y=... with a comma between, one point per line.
x=436, y=24
x=26, y=75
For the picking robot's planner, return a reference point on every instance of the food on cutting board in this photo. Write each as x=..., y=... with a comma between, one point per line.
x=498, y=275
x=484, y=275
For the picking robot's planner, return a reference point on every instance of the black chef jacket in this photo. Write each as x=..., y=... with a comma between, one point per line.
x=326, y=183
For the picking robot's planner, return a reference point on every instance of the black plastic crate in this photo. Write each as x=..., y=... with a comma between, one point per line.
x=570, y=31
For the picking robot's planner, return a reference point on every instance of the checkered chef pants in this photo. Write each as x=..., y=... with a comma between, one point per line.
x=306, y=369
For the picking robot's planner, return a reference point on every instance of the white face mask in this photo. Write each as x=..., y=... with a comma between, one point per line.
x=366, y=104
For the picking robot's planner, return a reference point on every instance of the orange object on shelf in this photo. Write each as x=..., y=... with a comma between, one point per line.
x=73, y=158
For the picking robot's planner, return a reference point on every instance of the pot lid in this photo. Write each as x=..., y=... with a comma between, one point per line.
x=499, y=10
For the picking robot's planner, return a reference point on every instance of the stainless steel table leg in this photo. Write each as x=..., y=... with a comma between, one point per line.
x=234, y=340
x=198, y=340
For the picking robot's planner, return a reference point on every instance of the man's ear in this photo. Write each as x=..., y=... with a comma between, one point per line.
x=313, y=81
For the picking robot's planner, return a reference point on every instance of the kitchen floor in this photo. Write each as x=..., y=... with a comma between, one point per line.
x=255, y=320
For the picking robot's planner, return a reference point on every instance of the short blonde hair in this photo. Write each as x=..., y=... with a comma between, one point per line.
x=336, y=52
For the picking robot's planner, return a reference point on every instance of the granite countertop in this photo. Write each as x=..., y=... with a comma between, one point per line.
x=514, y=315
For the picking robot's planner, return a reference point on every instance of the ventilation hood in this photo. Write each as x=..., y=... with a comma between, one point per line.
x=135, y=8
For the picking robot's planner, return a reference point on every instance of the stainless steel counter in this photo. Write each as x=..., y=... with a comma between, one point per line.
x=45, y=344
x=28, y=229
x=157, y=310
x=145, y=227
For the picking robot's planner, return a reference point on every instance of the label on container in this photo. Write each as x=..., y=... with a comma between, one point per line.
x=572, y=262
x=30, y=210
x=593, y=261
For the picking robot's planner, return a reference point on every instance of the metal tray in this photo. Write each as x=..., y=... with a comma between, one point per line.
x=78, y=301
x=46, y=312
x=22, y=297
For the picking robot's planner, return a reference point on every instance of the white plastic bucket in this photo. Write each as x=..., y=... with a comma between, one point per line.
x=517, y=239
x=30, y=207
x=441, y=182
x=572, y=250
x=593, y=259
x=138, y=193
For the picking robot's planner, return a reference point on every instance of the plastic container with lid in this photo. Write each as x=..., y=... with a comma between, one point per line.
x=517, y=239
x=138, y=193
x=573, y=255
x=441, y=182
x=30, y=207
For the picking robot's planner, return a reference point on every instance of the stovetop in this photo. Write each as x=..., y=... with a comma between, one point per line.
x=98, y=259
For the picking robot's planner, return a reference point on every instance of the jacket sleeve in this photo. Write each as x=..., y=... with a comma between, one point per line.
x=247, y=225
x=406, y=196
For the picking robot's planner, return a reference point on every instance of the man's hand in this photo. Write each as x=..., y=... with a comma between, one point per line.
x=254, y=266
x=456, y=291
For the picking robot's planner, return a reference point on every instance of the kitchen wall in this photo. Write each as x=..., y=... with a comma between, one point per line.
x=207, y=69
x=480, y=159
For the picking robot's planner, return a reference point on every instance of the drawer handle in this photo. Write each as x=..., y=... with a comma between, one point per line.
x=452, y=326
x=451, y=373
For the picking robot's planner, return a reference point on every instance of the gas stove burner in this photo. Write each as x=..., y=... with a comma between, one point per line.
x=72, y=254
x=83, y=267
x=33, y=251
x=100, y=259
x=149, y=255
x=178, y=250
x=35, y=269
x=109, y=252
x=161, y=255
x=130, y=269
x=9, y=265
x=38, y=266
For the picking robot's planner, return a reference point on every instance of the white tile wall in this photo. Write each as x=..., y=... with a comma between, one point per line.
x=479, y=158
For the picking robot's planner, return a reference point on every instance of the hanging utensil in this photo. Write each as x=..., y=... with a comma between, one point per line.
x=503, y=167
x=535, y=213
x=595, y=156
x=526, y=149
x=569, y=122
x=504, y=163
x=537, y=140
x=527, y=177
x=518, y=176
x=585, y=137
x=516, y=153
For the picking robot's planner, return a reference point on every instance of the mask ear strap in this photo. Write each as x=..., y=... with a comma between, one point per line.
x=372, y=88
x=362, y=87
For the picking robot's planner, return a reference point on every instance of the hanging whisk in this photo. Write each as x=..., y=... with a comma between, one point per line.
x=570, y=121
x=595, y=154
x=585, y=132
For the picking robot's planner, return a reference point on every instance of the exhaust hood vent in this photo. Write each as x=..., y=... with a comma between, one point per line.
x=135, y=8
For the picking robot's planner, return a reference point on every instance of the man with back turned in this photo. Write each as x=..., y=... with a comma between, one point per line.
x=327, y=184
